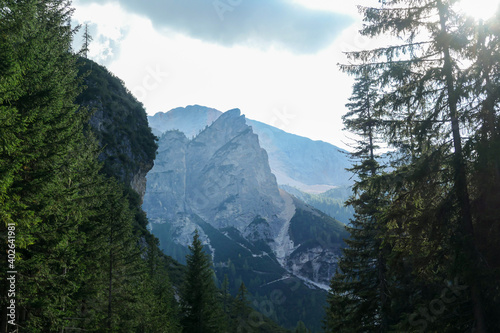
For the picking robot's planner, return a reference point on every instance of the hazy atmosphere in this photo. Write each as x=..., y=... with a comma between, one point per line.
x=275, y=60
x=270, y=166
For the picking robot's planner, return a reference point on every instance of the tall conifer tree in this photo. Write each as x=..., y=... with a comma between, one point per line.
x=46, y=163
x=357, y=300
x=199, y=302
x=79, y=263
x=431, y=100
x=240, y=311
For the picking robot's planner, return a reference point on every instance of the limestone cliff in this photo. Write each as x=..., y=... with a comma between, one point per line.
x=219, y=182
x=311, y=166
x=222, y=176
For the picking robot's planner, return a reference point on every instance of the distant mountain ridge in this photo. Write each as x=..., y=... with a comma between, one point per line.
x=190, y=120
x=311, y=166
x=220, y=183
x=222, y=175
x=330, y=202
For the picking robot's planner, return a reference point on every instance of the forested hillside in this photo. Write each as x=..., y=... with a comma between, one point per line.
x=424, y=244
x=120, y=124
x=422, y=255
x=78, y=257
x=74, y=149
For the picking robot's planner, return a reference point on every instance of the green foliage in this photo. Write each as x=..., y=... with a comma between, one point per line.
x=42, y=150
x=200, y=308
x=301, y=328
x=81, y=242
x=243, y=318
x=436, y=105
x=274, y=299
x=120, y=123
x=357, y=300
x=201, y=311
x=240, y=310
x=312, y=229
x=87, y=38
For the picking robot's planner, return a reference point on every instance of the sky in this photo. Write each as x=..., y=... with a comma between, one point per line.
x=276, y=60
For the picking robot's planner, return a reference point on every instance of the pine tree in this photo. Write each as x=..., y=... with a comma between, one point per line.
x=43, y=150
x=225, y=295
x=484, y=82
x=159, y=311
x=38, y=119
x=357, y=299
x=87, y=39
x=429, y=96
x=240, y=311
x=301, y=328
x=200, y=309
x=122, y=263
x=80, y=263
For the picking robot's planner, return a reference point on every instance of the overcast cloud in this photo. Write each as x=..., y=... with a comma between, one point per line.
x=259, y=23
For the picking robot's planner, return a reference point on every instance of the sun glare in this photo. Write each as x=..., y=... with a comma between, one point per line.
x=479, y=9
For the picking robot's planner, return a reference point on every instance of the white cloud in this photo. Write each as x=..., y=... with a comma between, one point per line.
x=239, y=22
x=108, y=25
x=167, y=69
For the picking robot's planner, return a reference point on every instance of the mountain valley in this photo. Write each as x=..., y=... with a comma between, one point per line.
x=220, y=183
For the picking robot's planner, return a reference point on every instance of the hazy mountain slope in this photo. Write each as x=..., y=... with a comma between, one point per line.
x=220, y=183
x=190, y=120
x=330, y=202
x=311, y=166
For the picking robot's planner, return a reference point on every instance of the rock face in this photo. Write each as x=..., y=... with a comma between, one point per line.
x=190, y=120
x=311, y=166
x=166, y=182
x=220, y=183
x=222, y=178
x=120, y=124
x=319, y=244
x=230, y=181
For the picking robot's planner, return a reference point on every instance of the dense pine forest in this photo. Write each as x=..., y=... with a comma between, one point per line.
x=424, y=244
x=422, y=255
x=75, y=249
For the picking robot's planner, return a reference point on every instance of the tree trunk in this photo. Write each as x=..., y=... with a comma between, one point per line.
x=461, y=184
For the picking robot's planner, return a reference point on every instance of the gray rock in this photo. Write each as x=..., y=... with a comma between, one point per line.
x=311, y=166
x=222, y=178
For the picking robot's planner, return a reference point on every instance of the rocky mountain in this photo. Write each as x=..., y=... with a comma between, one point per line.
x=220, y=183
x=311, y=166
x=190, y=120
x=120, y=124
x=222, y=176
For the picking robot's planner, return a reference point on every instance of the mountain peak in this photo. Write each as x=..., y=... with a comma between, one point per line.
x=222, y=175
x=227, y=126
x=311, y=166
x=232, y=113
